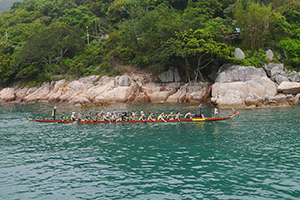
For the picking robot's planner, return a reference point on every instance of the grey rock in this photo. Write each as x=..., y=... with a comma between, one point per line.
x=270, y=54
x=238, y=53
x=124, y=81
x=235, y=73
x=295, y=77
x=170, y=76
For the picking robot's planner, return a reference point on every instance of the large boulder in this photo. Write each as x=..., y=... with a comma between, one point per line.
x=238, y=53
x=276, y=72
x=287, y=87
x=235, y=73
x=7, y=94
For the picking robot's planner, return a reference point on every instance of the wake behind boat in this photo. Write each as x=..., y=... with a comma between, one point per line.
x=196, y=119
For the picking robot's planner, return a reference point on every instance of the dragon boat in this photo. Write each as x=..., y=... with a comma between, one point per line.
x=196, y=119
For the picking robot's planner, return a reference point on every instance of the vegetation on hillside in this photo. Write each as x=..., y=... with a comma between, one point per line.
x=43, y=40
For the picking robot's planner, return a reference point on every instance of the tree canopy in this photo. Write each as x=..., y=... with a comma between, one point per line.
x=45, y=38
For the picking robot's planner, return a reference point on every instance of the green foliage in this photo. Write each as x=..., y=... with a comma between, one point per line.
x=256, y=58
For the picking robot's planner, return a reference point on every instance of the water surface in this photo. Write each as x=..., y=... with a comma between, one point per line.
x=255, y=156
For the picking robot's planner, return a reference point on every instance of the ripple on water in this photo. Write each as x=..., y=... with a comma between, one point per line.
x=255, y=156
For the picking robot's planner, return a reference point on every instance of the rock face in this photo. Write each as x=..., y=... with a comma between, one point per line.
x=95, y=90
x=238, y=53
x=242, y=87
x=234, y=73
x=276, y=72
x=172, y=75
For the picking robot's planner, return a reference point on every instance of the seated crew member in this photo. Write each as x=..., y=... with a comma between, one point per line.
x=177, y=117
x=124, y=116
x=63, y=117
x=115, y=117
x=188, y=115
x=73, y=118
x=143, y=117
x=53, y=114
x=170, y=116
x=161, y=117
x=79, y=118
x=89, y=117
x=106, y=117
x=97, y=117
x=132, y=116
x=151, y=116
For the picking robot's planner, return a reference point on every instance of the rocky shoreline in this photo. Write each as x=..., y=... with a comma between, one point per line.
x=234, y=87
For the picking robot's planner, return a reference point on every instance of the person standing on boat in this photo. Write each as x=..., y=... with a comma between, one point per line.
x=53, y=113
x=201, y=111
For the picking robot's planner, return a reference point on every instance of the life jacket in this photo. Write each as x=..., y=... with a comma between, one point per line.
x=63, y=117
x=187, y=116
x=53, y=112
x=72, y=118
x=142, y=116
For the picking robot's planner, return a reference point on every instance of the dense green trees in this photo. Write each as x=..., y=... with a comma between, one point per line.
x=48, y=38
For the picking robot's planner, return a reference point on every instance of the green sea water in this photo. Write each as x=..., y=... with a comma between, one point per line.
x=253, y=156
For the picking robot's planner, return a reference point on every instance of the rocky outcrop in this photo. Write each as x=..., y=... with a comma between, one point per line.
x=276, y=72
x=242, y=87
x=95, y=90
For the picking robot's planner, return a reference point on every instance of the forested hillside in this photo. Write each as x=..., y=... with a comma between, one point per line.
x=44, y=40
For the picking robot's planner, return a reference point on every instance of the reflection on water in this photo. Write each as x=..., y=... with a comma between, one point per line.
x=255, y=156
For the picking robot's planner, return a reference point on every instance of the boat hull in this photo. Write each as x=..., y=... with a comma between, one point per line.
x=136, y=121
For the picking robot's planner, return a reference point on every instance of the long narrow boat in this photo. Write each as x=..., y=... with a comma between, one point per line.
x=135, y=121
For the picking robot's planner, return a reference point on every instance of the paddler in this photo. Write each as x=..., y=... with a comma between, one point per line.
x=151, y=116
x=132, y=116
x=53, y=114
x=124, y=116
x=177, y=117
x=170, y=116
x=188, y=115
x=143, y=117
x=161, y=117
x=79, y=117
x=63, y=117
x=88, y=117
x=106, y=117
x=97, y=118
x=73, y=118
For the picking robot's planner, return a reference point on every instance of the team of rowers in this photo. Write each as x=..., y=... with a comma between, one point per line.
x=125, y=116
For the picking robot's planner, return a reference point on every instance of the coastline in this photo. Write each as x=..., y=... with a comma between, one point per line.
x=240, y=87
